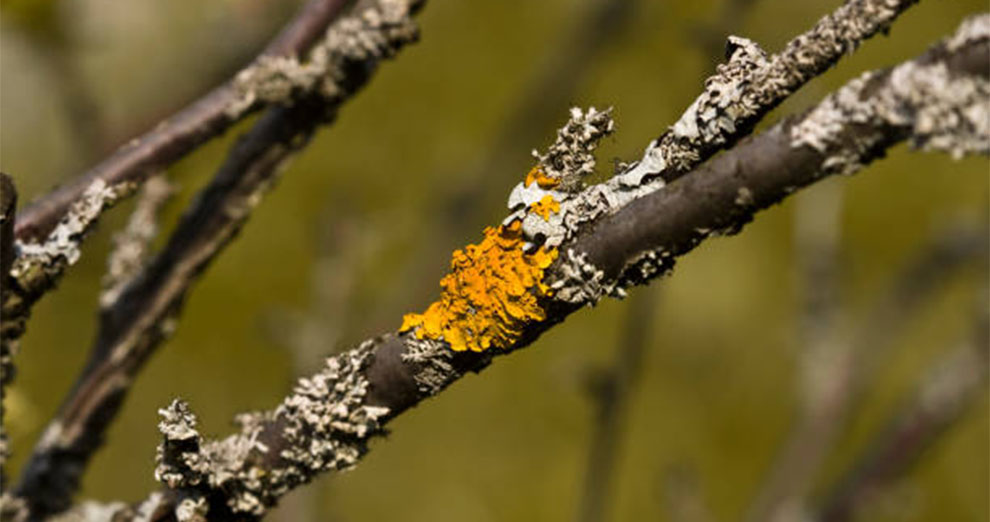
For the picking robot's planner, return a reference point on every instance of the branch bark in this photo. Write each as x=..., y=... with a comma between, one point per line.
x=181, y=133
x=938, y=101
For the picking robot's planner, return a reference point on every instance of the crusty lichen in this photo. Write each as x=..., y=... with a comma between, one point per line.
x=376, y=32
x=495, y=287
x=938, y=109
x=323, y=425
x=38, y=265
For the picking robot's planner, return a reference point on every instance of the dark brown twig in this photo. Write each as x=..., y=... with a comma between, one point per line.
x=178, y=135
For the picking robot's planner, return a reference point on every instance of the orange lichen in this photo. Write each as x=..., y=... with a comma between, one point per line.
x=545, y=182
x=490, y=294
x=545, y=206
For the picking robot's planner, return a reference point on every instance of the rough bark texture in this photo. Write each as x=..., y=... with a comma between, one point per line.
x=326, y=423
x=604, y=238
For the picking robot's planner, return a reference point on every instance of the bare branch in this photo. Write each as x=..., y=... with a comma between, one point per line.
x=175, y=137
x=146, y=309
x=326, y=422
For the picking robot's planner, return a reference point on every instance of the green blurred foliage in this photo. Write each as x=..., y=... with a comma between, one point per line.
x=717, y=389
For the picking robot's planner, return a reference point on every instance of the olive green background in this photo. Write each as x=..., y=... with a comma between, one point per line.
x=716, y=394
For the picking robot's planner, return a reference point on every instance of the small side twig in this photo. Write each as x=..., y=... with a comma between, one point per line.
x=132, y=245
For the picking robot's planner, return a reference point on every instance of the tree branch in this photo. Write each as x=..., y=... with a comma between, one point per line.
x=937, y=101
x=181, y=133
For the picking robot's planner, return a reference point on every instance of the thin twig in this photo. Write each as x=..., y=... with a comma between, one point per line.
x=178, y=135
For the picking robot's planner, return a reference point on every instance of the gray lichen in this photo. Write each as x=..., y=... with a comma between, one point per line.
x=571, y=157
x=751, y=83
x=61, y=247
x=432, y=362
x=374, y=33
x=580, y=282
x=939, y=110
x=323, y=425
x=38, y=265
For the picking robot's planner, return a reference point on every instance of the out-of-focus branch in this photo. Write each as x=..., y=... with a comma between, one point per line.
x=178, y=135
x=822, y=370
x=683, y=498
x=50, y=231
x=612, y=392
x=849, y=366
x=937, y=101
x=145, y=310
x=618, y=382
x=944, y=397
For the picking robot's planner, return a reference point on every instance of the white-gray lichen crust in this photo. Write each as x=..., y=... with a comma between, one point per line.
x=432, y=360
x=376, y=32
x=941, y=111
x=323, y=425
x=61, y=246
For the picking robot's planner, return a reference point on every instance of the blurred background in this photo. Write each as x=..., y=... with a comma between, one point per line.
x=746, y=385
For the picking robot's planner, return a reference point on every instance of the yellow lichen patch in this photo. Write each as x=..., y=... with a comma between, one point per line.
x=545, y=206
x=490, y=294
x=545, y=182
